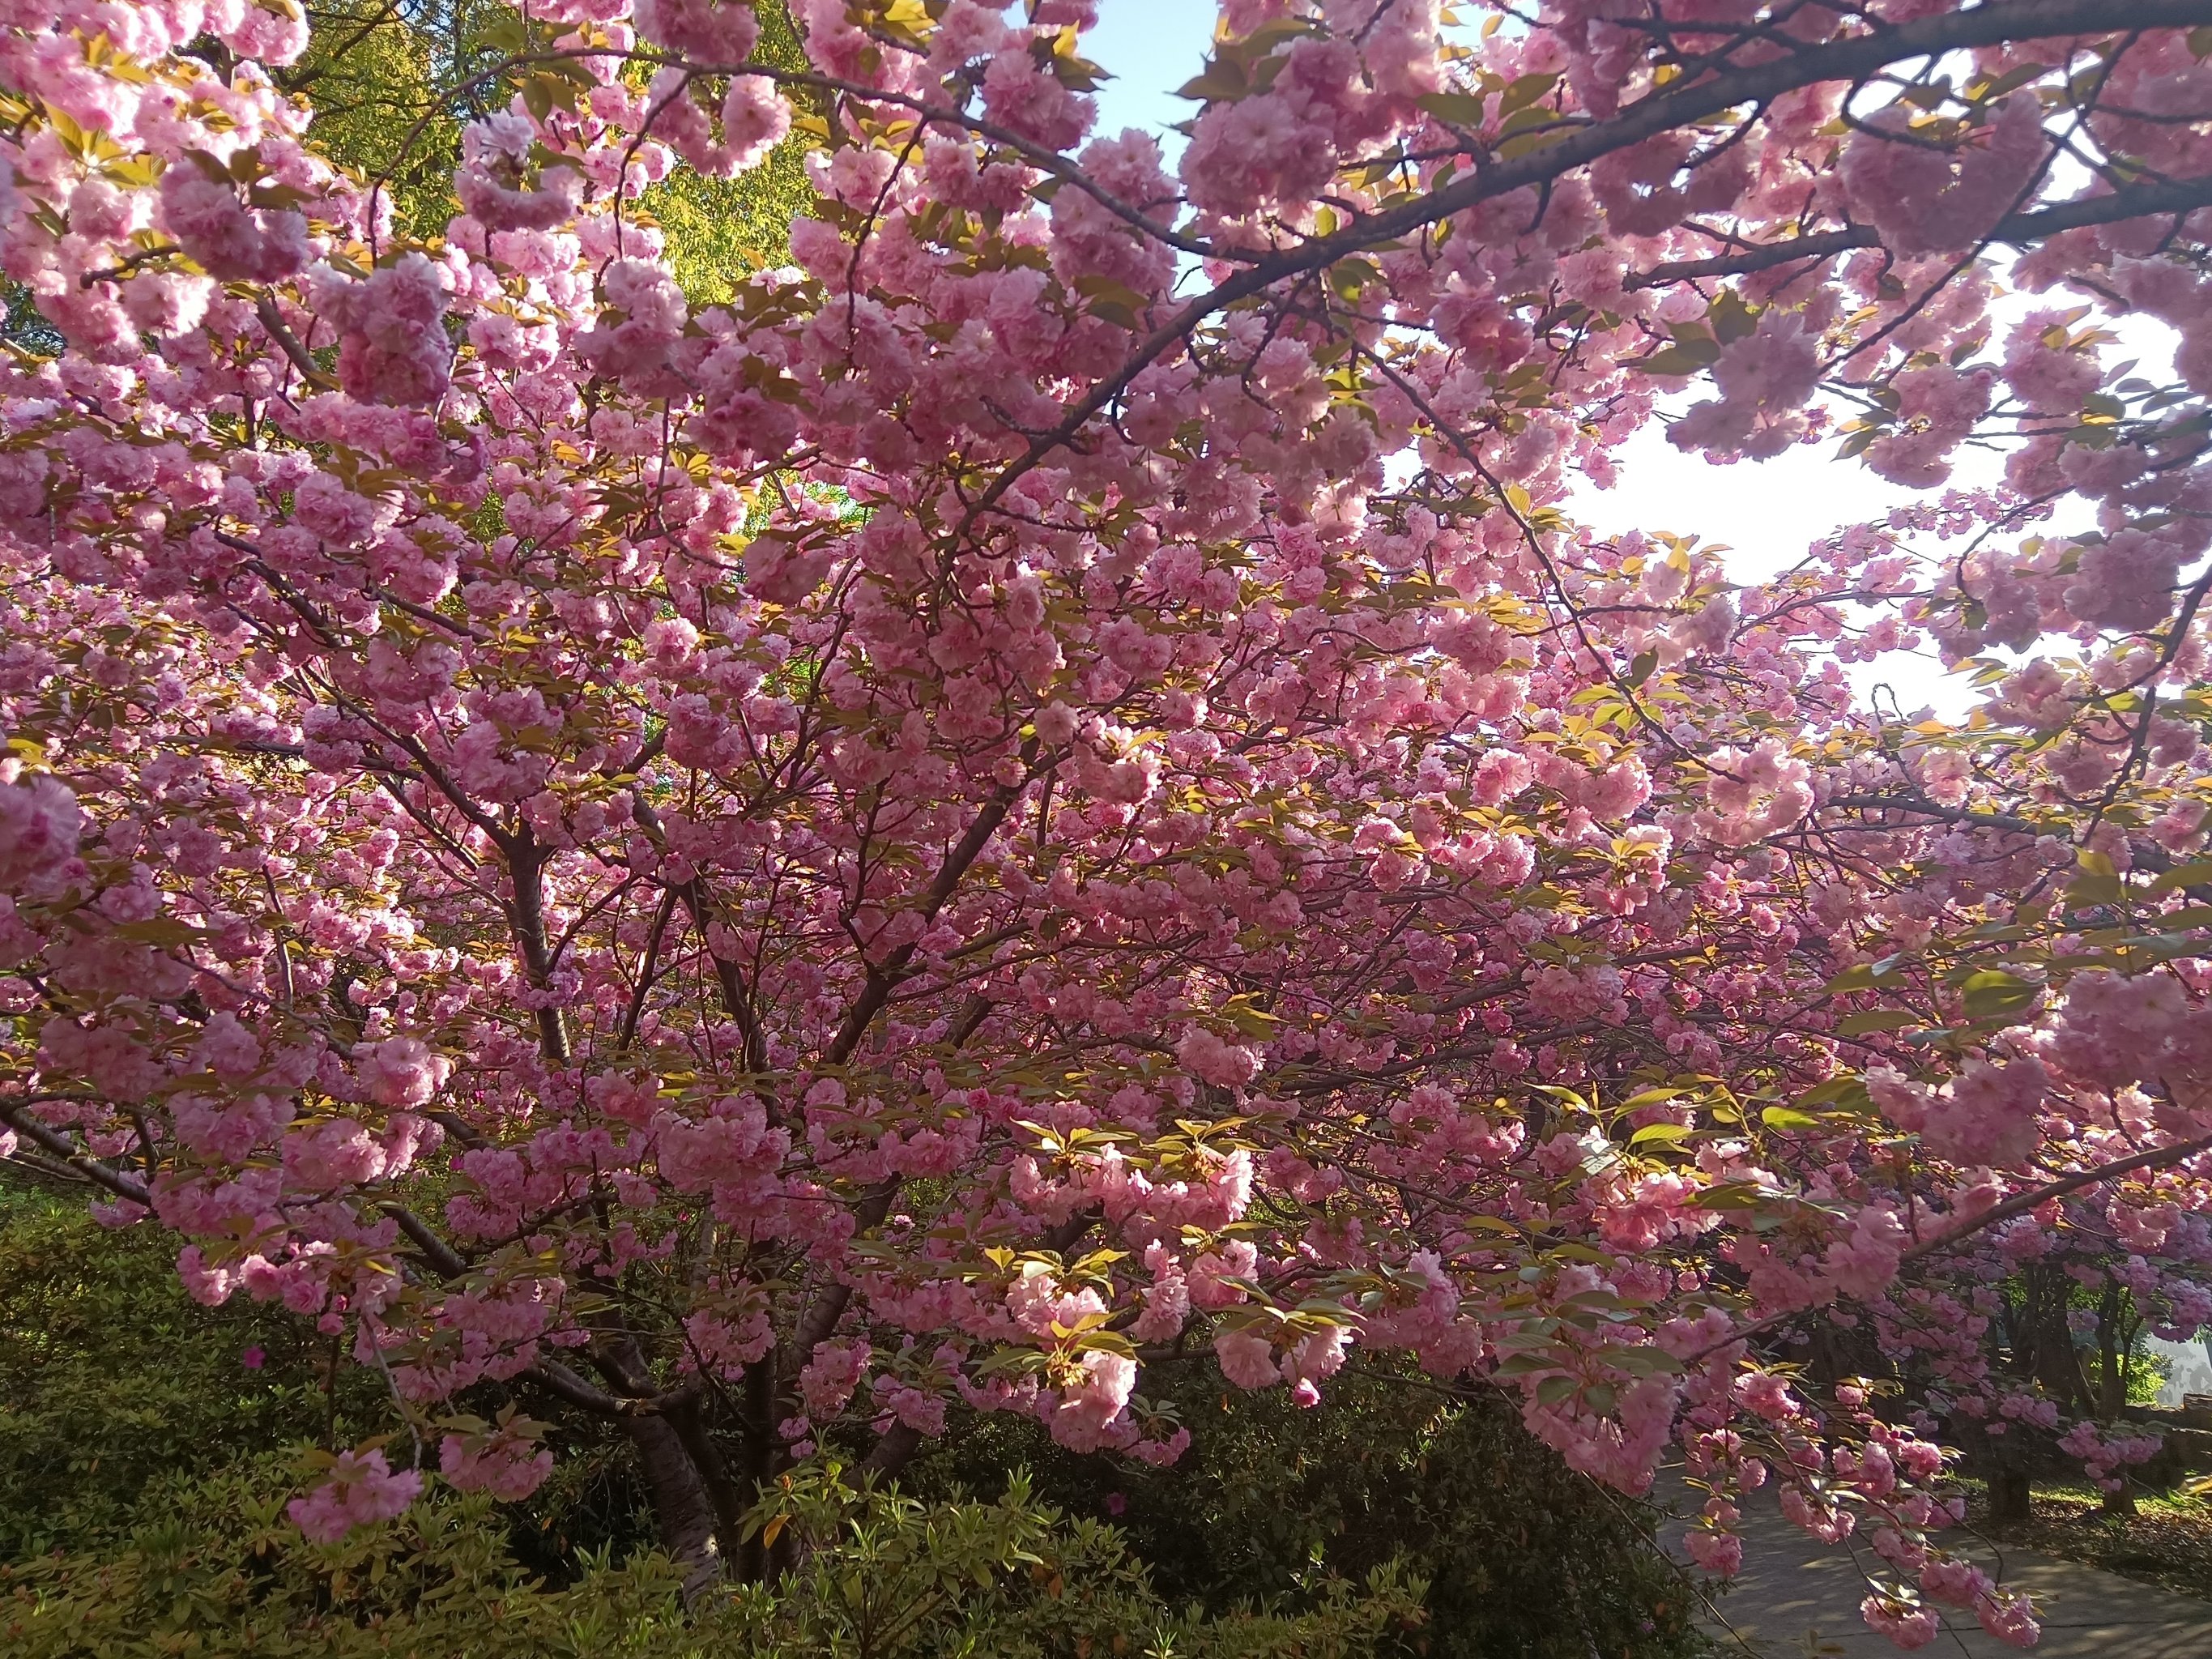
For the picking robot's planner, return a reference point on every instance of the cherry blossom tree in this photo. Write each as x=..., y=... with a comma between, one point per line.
x=1050, y=793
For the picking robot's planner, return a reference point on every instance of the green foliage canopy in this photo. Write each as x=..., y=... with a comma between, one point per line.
x=394, y=82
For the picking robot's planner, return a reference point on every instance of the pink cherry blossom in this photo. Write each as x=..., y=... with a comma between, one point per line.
x=362, y=1489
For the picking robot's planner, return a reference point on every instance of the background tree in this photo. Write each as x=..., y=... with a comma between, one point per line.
x=394, y=82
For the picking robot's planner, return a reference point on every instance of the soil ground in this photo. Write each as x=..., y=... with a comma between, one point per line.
x=2167, y=1542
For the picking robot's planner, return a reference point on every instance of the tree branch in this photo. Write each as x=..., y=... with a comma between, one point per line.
x=2139, y=201
x=556, y=1378
x=438, y=1253
x=882, y=979
x=57, y=1143
x=272, y=322
x=2158, y=1158
x=2021, y=1204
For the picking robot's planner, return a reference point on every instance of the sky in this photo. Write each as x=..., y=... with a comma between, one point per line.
x=1151, y=48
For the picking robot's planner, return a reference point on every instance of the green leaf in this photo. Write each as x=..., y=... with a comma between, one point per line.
x=1878, y=1019
x=1574, y=1252
x=2095, y=885
x=1993, y=992
x=1786, y=1117
x=1733, y=320
x=1249, y=1018
x=1494, y=1223
x=1526, y=89
x=506, y=32
x=1528, y=143
x=1348, y=276
x=1683, y=357
x=2016, y=77
x=1460, y=109
x=1222, y=82
x=1865, y=975
x=1848, y=1093
x=1728, y=1195
x=2194, y=873
x=1560, y=1092
x=1553, y=1389
x=160, y=931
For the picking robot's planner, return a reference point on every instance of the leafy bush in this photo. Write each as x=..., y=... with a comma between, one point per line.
x=144, y=1465
x=220, y=1570
x=885, y=1574
x=111, y=1380
x=116, y=1387
x=1522, y=1557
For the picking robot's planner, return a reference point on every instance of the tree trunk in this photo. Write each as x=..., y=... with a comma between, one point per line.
x=2123, y=1502
x=2057, y=1363
x=2008, y=1494
x=2115, y=1338
x=682, y=1509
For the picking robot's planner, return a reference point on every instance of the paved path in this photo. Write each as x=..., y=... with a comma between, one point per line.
x=1797, y=1597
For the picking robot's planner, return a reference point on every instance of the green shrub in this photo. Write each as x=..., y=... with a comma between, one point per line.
x=215, y=1568
x=113, y=1382
x=116, y=1387
x=885, y=1574
x=143, y=1468
x=1524, y=1559
x=219, y=1571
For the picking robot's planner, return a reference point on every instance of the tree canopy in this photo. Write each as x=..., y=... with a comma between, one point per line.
x=1048, y=795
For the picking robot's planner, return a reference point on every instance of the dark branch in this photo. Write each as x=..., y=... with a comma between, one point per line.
x=59, y=1145
x=2018, y=230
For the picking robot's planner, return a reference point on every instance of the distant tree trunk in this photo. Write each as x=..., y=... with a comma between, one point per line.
x=2112, y=1390
x=2008, y=1494
x=2055, y=1361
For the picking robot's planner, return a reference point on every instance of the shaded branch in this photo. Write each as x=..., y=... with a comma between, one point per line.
x=59, y=1145
x=2158, y=1158
x=272, y=321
